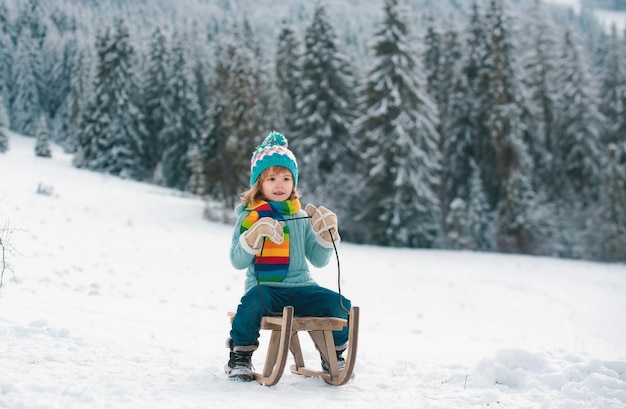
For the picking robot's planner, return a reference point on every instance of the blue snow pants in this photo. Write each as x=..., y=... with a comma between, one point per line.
x=313, y=301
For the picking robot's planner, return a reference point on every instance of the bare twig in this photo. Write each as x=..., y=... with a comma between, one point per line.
x=4, y=250
x=1, y=262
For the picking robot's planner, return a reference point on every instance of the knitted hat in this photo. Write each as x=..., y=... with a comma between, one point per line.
x=273, y=152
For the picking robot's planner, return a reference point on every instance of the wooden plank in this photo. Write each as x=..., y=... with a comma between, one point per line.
x=281, y=346
x=353, y=343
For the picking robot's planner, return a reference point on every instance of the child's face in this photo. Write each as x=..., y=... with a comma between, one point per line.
x=277, y=185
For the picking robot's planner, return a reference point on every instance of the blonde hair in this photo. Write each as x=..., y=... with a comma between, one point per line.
x=254, y=194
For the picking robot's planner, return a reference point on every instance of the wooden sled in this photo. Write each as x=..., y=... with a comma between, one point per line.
x=284, y=338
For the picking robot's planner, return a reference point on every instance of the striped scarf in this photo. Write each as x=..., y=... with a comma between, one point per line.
x=272, y=263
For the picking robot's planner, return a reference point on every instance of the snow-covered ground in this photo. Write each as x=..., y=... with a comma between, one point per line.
x=118, y=293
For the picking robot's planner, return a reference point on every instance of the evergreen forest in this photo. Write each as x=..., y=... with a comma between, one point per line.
x=481, y=125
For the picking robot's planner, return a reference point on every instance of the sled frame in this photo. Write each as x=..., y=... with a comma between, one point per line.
x=284, y=338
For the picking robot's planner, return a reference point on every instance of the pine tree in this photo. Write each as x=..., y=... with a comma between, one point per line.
x=539, y=80
x=433, y=57
x=199, y=57
x=234, y=123
x=443, y=90
x=6, y=56
x=325, y=110
x=198, y=183
x=77, y=99
x=579, y=126
x=479, y=215
x=615, y=209
x=31, y=17
x=53, y=75
x=182, y=119
x=504, y=152
x=4, y=127
x=112, y=139
x=451, y=57
x=42, y=143
x=401, y=163
x=155, y=89
x=25, y=100
x=463, y=130
x=458, y=235
x=516, y=208
x=287, y=74
x=60, y=83
x=613, y=89
x=207, y=172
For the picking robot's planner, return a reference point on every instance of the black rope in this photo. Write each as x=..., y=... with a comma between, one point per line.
x=338, y=273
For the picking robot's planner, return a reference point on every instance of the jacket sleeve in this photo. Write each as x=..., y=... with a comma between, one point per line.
x=239, y=257
x=317, y=254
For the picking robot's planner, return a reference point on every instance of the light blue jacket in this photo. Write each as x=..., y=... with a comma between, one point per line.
x=304, y=245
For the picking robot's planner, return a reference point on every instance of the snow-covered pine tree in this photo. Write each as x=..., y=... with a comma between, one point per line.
x=234, y=124
x=613, y=89
x=479, y=216
x=181, y=118
x=462, y=133
x=515, y=212
x=614, y=213
x=206, y=172
x=24, y=109
x=200, y=62
x=433, y=48
x=458, y=235
x=6, y=54
x=155, y=89
x=325, y=112
x=62, y=76
x=401, y=163
x=539, y=59
x=287, y=74
x=442, y=89
x=506, y=165
x=451, y=57
x=113, y=136
x=577, y=154
x=77, y=99
x=42, y=142
x=197, y=179
x=4, y=127
x=30, y=15
x=56, y=56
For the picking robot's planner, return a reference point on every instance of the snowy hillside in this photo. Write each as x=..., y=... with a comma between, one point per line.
x=118, y=291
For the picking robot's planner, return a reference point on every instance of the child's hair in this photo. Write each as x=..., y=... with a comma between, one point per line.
x=254, y=194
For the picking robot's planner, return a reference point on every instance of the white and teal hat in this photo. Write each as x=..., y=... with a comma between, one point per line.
x=273, y=152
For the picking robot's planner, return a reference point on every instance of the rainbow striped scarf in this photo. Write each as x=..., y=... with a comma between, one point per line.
x=272, y=263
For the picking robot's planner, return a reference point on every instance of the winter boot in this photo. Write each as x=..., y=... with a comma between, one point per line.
x=341, y=361
x=239, y=366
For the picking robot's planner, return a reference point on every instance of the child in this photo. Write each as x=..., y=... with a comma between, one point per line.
x=273, y=238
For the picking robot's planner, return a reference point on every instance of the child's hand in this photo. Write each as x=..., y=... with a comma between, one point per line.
x=264, y=227
x=324, y=223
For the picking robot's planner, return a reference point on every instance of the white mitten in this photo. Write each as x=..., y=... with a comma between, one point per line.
x=324, y=223
x=256, y=234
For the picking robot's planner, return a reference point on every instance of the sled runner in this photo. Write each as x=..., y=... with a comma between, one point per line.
x=284, y=338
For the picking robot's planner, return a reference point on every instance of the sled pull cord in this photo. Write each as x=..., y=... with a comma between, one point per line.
x=338, y=273
x=256, y=271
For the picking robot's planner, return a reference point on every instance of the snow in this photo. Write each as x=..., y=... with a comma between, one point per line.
x=612, y=18
x=118, y=293
x=607, y=18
